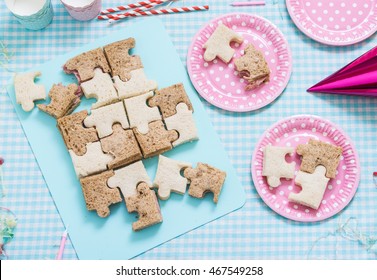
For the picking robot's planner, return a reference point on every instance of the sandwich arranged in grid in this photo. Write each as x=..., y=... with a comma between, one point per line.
x=131, y=120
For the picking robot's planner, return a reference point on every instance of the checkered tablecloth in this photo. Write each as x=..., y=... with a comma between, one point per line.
x=253, y=232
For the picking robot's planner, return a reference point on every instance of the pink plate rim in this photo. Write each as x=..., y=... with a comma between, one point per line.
x=303, y=219
x=223, y=106
x=321, y=40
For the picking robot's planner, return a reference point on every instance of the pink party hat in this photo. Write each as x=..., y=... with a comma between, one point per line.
x=357, y=78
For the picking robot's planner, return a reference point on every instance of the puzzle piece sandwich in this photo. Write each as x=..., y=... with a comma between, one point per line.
x=319, y=164
x=130, y=120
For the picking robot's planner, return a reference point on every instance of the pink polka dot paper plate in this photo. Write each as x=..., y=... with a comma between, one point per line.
x=298, y=130
x=335, y=22
x=219, y=83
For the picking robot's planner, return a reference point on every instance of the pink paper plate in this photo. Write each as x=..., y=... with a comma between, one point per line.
x=219, y=83
x=335, y=22
x=298, y=130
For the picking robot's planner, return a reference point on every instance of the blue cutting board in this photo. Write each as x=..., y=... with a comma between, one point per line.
x=112, y=237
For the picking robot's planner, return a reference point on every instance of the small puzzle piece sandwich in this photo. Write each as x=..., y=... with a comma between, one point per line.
x=121, y=62
x=83, y=65
x=145, y=203
x=218, y=45
x=127, y=178
x=139, y=113
x=205, y=178
x=122, y=145
x=101, y=87
x=313, y=188
x=183, y=122
x=136, y=85
x=93, y=161
x=103, y=118
x=168, y=98
x=168, y=177
x=27, y=91
x=64, y=99
x=157, y=141
x=253, y=67
x=74, y=134
x=98, y=196
x=275, y=166
x=319, y=153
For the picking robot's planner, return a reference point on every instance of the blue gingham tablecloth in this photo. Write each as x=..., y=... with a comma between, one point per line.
x=253, y=232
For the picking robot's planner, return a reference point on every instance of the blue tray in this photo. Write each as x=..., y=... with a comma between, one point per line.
x=112, y=238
